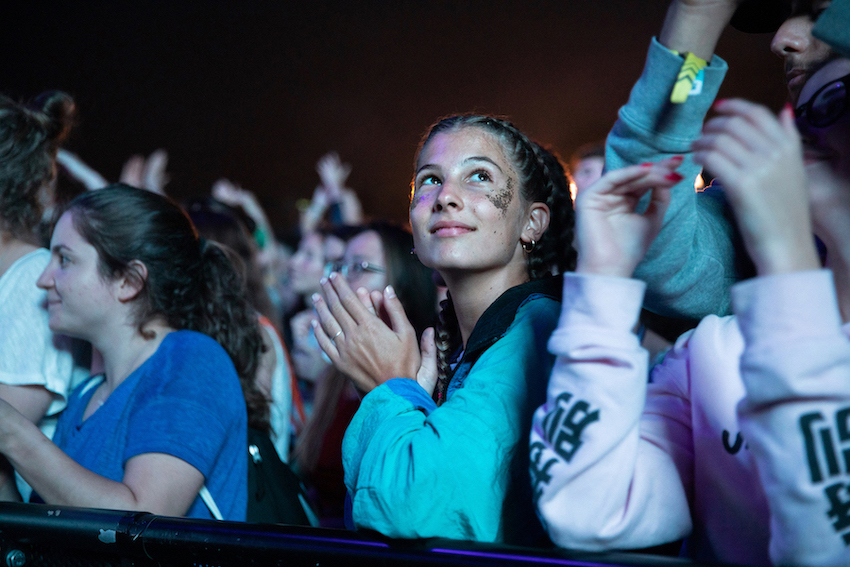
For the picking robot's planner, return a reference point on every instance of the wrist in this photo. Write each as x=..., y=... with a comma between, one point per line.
x=787, y=257
x=695, y=27
x=610, y=269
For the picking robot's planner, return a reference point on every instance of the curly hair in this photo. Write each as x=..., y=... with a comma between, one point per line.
x=191, y=283
x=30, y=136
x=542, y=179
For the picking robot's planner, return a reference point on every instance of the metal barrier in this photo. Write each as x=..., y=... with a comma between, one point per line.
x=32, y=535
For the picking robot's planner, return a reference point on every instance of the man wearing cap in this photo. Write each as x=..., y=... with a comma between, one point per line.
x=619, y=465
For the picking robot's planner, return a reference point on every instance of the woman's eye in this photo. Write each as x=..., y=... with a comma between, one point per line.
x=430, y=180
x=480, y=176
x=64, y=260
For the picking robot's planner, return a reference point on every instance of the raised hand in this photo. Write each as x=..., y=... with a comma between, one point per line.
x=333, y=174
x=359, y=342
x=758, y=158
x=80, y=170
x=612, y=235
x=154, y=176
x=148, y=174
x=133, y=169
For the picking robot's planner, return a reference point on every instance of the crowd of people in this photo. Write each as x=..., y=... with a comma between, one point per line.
x=594, y=356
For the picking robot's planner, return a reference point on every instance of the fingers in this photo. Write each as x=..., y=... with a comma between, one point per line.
x=738, y=114
x=639, y=177
x=365, y=298
x=427, y=374
x=154, y=176
x=324, y=341
x=131, y=173
x=742, y=130
x=398, y=318
x=343, y=302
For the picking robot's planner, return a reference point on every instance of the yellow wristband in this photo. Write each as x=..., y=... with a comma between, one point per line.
x=689, y=75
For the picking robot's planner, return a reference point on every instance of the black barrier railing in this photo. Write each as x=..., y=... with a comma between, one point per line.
x=32, y=535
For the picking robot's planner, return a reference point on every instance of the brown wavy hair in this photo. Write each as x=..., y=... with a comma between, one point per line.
x=191, y=283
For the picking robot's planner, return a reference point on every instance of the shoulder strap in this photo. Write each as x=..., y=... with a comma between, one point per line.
x=208, y=500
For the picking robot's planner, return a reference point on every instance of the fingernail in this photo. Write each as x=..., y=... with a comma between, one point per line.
x=316, y=297
x=673, y=176
x=314, y=323
x=390, y=291
x=678, y=158
x=646, y=164
x=718, y=103
x=333, y=275
x=323, y=281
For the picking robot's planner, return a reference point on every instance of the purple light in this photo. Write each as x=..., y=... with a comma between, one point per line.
x=524, y=558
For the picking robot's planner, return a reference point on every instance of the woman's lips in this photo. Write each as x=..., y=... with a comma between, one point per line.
x=450, y=229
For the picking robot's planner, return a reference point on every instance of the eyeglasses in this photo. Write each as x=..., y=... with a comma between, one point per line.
x=827, y=105
x=352, y=270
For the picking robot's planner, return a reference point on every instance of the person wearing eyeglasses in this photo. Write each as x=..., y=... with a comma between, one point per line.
x=740, y=441
x=378, y=255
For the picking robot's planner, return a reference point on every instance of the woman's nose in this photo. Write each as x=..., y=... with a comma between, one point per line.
x=448, y=197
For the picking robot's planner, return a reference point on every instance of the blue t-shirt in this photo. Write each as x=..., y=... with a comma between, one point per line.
x=186, y=401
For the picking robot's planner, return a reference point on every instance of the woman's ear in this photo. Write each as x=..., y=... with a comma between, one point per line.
x=538, y=222
x=131, y=283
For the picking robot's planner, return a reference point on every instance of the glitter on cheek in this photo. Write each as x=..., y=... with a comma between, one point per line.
x=416, y=199
x=502, y=200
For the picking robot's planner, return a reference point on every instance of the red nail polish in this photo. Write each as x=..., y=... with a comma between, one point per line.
x=717, y=103
x=678, y=158
x=673, y=176
x=646, y=164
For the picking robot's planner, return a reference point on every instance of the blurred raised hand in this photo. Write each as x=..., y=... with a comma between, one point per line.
x=80, y=170
x=758, y=157
x=148, y=174
x=612, y=234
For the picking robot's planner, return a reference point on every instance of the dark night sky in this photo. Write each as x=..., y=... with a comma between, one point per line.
x=258, y=91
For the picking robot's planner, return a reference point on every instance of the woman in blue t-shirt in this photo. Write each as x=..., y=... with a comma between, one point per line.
x=166, y=420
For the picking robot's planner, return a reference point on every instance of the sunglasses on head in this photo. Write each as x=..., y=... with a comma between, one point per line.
x=827, y=105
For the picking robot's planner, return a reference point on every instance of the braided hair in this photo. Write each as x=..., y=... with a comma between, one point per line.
x=542, y=179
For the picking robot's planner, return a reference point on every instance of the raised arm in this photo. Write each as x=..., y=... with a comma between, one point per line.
x=604, y=475
x=692, y=263
x=796, y=361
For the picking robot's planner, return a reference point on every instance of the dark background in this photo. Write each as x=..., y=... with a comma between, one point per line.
x=258, y=91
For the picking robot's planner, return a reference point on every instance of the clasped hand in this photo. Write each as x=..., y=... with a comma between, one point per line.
x=368, y=337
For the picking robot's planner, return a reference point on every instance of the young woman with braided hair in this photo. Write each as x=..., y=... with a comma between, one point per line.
x=490, y=212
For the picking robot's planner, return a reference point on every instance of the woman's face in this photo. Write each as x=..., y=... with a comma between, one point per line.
x=366, y=265
x=466, y=209
x=307, y=265
x=80, y=301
